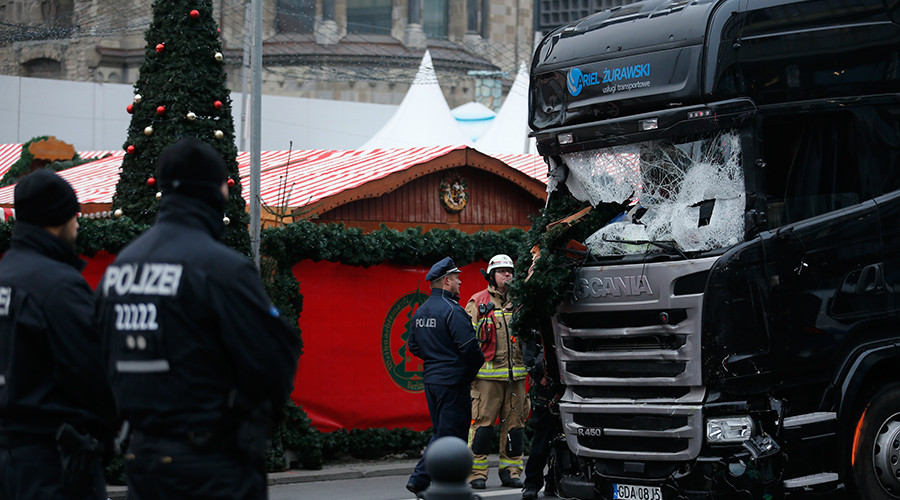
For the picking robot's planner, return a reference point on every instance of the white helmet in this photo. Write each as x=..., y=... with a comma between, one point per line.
x=499, y=261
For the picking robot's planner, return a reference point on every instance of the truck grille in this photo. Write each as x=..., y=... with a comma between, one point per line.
x=631, y=362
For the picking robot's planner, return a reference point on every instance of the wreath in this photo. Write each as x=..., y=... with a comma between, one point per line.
x=454, y=193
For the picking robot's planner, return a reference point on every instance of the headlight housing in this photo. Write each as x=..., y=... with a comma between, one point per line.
x=729, y=430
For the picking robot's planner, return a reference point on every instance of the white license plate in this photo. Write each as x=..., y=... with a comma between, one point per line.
x=636, y=492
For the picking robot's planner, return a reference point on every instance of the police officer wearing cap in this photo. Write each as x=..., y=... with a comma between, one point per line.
x=56, y=408
x=441, y=334
x=199, y=359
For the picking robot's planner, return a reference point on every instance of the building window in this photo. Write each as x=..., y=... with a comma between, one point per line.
x=295, y=16
x=434, y=18
x=43, y=68
x=369, y=17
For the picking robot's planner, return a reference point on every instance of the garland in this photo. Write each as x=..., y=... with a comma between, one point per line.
x=553, y=274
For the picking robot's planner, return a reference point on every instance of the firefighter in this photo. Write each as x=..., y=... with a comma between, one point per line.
x=56, y=409
x=499, y=388
x=441, y=334
x=200, y=361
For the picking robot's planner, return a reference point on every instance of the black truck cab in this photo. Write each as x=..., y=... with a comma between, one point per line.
x=735, y=333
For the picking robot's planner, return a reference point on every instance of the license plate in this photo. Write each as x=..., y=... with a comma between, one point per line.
x=636, y=492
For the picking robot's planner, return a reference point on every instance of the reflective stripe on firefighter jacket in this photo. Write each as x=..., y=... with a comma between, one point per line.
x=498, y=367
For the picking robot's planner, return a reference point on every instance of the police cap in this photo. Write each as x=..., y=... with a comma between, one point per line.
x=443, y=267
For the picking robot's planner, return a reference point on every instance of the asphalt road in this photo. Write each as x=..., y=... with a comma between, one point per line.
x=373, y=488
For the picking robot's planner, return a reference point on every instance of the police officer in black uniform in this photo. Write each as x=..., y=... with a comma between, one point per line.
x=199, y=359
x=56, y=408
x=441, y=334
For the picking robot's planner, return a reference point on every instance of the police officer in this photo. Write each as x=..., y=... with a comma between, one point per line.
x=442, y=335
x=56, y=408
x=499, y=389
x=199, y=359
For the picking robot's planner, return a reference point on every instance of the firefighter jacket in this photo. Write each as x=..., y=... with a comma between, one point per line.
x=441, y=334
x=51, y=370
x=507, y=359
x=192, y=342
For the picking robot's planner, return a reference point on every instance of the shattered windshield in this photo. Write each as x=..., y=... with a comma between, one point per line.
x=687, y=193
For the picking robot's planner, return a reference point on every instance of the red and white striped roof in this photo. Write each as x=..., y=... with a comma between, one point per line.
x=292, y=178
x=10, y=153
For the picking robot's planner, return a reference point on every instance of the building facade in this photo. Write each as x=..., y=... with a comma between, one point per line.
x=349, y=50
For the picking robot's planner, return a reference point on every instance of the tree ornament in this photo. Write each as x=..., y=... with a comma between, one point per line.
x=130, y=149
x=148, y=131
x=137, y=98
x=217, y=104
x=160, y=110
x=151, y=181
x=118, y=213
x=226, y=220
x=230, y=182
x=130, y=109
x=158, y=195
x=160, y=47
x=195, y=14
x=190, y=116
x=219, y=134
x=219, y=56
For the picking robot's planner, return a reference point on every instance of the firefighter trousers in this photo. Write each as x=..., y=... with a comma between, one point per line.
x=493, y=399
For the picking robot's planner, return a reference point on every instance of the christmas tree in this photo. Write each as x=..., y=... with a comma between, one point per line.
x=180, y=92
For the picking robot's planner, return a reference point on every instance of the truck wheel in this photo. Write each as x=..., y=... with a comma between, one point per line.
x=875, y=450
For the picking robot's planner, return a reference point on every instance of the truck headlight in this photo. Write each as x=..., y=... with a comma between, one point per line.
x=728, y=430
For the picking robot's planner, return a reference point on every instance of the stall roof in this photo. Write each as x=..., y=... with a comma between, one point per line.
x=10, y=153
x=307, y=177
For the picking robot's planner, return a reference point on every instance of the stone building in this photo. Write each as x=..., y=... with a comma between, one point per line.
x=349, y=50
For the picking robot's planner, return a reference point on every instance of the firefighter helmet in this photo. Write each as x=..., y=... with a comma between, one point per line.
x=499, y=261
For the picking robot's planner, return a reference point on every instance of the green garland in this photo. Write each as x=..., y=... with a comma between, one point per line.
x=553, y=275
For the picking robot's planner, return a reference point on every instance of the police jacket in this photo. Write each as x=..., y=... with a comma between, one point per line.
x=51, y=370
x=193, y=344
x=442, y=335
x=507, y=358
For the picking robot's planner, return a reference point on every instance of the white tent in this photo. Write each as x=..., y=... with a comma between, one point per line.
x=423, y=118
x=508, y=133
x=474, y=118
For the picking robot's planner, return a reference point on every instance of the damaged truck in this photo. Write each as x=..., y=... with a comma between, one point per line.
x=735, y=331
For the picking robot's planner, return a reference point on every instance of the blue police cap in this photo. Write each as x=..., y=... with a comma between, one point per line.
x=444, y=267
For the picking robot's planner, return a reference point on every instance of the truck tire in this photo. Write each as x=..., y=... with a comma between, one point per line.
x=875, y=450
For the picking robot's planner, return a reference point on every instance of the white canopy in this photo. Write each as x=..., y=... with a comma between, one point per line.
x=423, y=118
x=508, y=133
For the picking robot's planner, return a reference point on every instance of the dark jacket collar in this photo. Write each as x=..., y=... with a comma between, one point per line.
x=444, y=293
x=27, y=236
x=191, y=212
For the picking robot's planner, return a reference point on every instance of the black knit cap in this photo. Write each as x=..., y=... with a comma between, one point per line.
x=45, y=199
x=194, y=168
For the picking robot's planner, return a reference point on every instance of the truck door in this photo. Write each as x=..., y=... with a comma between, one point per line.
x=825, y=261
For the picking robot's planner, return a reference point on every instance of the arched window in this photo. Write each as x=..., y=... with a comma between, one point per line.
x=42, y=67
x=369, y=17
x=295, y=16
x=434, y=18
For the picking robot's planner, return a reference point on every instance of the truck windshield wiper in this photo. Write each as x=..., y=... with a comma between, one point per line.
x=669, y=246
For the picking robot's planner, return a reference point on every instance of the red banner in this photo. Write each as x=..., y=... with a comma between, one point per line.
x=355, y=371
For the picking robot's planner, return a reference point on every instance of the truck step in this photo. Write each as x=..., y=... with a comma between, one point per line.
x=811, y=480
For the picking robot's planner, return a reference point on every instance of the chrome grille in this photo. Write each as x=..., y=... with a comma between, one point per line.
x=619, y=345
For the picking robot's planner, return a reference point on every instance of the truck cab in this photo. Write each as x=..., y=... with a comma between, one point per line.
x=735, y=332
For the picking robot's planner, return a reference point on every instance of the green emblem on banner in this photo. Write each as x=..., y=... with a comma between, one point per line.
x=404, y=368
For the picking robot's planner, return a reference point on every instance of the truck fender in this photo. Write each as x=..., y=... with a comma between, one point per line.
x=852, y=385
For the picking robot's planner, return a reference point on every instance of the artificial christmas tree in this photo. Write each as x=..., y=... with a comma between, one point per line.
x=180, y=92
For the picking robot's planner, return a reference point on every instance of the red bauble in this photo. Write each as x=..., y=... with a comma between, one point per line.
x=195, y=14
x=130, y=149
x=217, y=104
x=151, y=182
x=230, y=182
x=130, y=108
x=161, y=110
x=160, y=47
